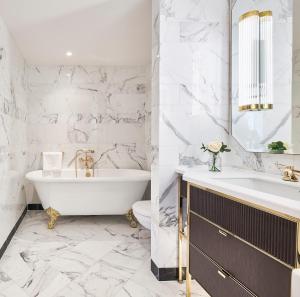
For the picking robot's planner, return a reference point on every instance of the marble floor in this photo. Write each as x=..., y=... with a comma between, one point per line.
x=82, y=257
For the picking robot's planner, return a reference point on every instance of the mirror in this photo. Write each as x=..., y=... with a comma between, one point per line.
x=265, y=75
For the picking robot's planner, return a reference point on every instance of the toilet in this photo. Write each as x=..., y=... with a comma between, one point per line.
x=142, y=212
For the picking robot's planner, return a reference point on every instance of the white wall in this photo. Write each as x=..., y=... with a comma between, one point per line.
x=13, y=141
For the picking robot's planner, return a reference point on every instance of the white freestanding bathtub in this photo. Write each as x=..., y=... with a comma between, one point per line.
x=110, y=192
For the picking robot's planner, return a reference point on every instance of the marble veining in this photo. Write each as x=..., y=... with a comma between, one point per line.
x=105, y=108
x=82, y=257
x=190, y=103
x=189, y=92
x=13, y=132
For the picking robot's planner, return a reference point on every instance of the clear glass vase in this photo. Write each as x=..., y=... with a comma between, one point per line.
x=215, y=162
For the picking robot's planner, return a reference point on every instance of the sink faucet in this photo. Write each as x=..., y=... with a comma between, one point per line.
x=87, y=162
x=289, y=173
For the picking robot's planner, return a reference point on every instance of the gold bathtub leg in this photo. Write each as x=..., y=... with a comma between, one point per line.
x=131, y=218
x=53, y=215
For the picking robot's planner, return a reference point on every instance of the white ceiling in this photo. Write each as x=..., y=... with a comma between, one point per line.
x=98, y=32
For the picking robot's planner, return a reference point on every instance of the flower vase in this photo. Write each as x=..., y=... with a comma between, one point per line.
x=214, y=163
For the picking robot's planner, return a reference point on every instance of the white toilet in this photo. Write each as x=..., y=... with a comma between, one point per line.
x=142, y=212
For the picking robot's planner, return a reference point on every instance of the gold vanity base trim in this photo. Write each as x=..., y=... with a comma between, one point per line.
x=53, y=216
x=132, y=219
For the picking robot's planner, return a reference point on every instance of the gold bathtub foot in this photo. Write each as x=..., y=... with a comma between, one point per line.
x=131, y=218
x=53, y=215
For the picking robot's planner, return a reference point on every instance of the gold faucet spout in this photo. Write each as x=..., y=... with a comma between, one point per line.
x=87, y=162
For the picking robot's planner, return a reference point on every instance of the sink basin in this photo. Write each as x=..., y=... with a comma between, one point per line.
x=287, y=191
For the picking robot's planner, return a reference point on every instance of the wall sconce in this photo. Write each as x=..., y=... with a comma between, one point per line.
x=256, y=61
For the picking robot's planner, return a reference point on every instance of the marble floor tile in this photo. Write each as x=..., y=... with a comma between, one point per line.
x=82, y=257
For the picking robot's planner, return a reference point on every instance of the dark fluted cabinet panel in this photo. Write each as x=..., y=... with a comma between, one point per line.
x=207, y=274
x=257, y=271
x=272, y=234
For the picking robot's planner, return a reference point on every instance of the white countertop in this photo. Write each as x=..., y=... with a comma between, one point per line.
x=202, y=177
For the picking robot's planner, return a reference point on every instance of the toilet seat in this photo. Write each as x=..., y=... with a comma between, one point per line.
x=142, y=212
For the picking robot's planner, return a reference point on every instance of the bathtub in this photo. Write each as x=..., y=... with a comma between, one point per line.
x=110, y=192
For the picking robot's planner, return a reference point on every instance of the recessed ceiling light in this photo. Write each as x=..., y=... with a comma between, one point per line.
x=69, y=54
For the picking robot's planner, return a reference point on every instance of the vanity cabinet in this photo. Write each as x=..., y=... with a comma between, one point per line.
x=236, y=249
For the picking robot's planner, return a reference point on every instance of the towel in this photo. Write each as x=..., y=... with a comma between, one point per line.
x=52, y=161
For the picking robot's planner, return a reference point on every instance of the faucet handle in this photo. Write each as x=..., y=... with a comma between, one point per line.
x=88, y=151
x=289, y=173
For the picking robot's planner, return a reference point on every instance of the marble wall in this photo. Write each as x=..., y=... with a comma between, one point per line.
x=189, y=103
x=105, y=108
x=296, y=76
x=13, y=124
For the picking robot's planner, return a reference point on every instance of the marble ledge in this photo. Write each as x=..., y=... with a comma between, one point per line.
x=217, y=181
x=183, y=169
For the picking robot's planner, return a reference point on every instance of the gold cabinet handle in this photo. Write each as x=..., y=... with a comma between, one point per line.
x=222, y=274
x=223, y=233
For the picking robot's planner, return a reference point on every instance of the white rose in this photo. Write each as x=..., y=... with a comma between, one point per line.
x=214, y=146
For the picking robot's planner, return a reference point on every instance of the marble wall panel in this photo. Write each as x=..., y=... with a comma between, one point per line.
x=190, y=105
x=105, y=108
x=13, y=131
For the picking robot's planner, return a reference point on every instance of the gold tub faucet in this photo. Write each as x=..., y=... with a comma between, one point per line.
x=87, y=162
